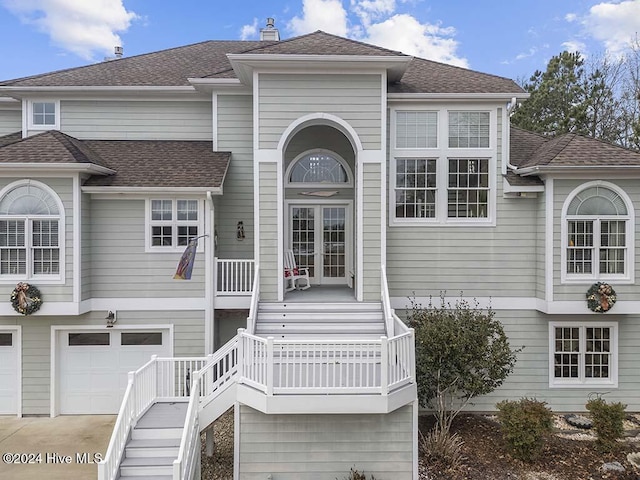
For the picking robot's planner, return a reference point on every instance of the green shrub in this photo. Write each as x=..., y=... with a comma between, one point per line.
x=607, y=422
x=525, y=424
x=356, y=475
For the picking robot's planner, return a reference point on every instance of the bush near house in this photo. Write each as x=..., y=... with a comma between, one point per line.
x=462, y=352
x=525, y=424
x=608, y=421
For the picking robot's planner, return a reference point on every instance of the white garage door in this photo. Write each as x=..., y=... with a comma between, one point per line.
x=9, y=383
x=94, y=365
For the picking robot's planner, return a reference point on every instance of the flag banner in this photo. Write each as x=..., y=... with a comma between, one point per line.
x=185, y=266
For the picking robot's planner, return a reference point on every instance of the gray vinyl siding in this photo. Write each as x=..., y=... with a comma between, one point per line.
x=530, y=378
x=573, y=292
x=235, y=134
x=121, y=268
x=354, y=98
x=268, y=209
x=36, y=345
x=10, y=121
x=541, y=246
x=372, y=228
x=51, y=292
x=320, y=136
x=136, y=120
x=325, y=447
x=475, y=260
x=87, y=248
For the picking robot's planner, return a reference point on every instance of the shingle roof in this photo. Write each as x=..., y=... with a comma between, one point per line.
x=51, y=147
x=11, y=138
x=208, y=60
x=160, y=163
x=578, y=150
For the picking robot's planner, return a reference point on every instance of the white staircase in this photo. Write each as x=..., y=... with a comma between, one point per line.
x=293, y=321
x=154, y=443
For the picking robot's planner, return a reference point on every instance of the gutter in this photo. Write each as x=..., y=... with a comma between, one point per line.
x=538, y=170
x=64, y=167
x=154, y=190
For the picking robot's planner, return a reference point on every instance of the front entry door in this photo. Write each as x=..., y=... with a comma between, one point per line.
x=320, y=242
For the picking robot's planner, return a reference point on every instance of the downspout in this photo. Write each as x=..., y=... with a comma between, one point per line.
x=210, y=285
x=510, y=108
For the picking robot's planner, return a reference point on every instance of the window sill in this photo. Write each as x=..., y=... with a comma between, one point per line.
x=53, y=280
x=591, y=280
x=609, y=384
x=438, y=223
x=179, y=250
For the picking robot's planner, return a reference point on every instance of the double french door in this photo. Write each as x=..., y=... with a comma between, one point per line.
x=319, y=238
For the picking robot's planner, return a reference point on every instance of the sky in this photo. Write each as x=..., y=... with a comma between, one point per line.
x=510, y=38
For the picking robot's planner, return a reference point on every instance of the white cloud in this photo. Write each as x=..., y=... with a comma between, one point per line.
x=615, y=24
x=249, y=31
x=571, y=17
x=574, y=46
x=532, y=51
x=327, y=15
x=80, y=26
x=405, y=33
x=376, y=21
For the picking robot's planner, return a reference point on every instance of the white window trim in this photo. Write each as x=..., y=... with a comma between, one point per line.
x=53, y=279
x=582, y=382
x=628, y=277
x=32, y=126
x=442, y=155
x=174, y=223
x=319, y=151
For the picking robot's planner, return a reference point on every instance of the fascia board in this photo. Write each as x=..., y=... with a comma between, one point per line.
x=456, y=97
x=101, y=91
x=60, y=167
x=152, y=190
x=579, y=169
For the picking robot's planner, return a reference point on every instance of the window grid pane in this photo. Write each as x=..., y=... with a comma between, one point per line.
x=415, y=188
x=188, y=210
x=612, y=243
x=186, y=233
x=416, y=129
x=468, y=193
x=598, y=352
x=161, y=210
x=580, y=246
x=13, y=253
x=566, y=355
x=44, y=113
x=303, y=237
x=468, y=129
x=161, y=236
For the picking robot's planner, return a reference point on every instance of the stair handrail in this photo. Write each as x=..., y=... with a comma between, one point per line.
x=386, y=302
x=227, y=358
x=130, y=409
x=183, y=465
x=255, y=296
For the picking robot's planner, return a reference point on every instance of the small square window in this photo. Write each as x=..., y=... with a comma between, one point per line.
x=44, y=115
x=6, y=339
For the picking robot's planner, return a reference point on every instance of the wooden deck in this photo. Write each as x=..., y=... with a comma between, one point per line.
x=321, y=294
x=164, y=415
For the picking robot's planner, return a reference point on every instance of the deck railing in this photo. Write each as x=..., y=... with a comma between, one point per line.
x=255, y=297
x=158, y=379
x=386, y=302
x=184, y=465
x=325, y=366
x=234, y=276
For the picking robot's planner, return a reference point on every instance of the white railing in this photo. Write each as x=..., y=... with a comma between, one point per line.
x=325, y=366
x=140, y=393
x=255, y=297
x=219, y=371
x=386, y=302
x=234, y=276
x=184, y=465
x=158, y=379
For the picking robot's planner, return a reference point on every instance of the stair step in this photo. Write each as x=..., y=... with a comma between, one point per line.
x=156, y=433
x=316, y=328
x=154, y=443
x=146, y=477
x=326, y=307
x=149, y=466
x=322, y=336
x=147, y=462
x=320, y=316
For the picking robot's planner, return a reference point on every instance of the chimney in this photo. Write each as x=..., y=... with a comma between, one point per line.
x=270, y=33
x=118, y=51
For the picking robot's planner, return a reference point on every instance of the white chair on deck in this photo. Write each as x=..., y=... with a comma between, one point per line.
x=293, y=273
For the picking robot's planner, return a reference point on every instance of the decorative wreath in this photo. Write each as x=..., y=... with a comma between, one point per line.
x=601, y=297
x=26, y=299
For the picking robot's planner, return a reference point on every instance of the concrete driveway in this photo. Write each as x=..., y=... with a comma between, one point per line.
x=61, y=448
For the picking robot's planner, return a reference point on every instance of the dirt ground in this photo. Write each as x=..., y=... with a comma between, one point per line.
x=573, y=457
x=569, y=454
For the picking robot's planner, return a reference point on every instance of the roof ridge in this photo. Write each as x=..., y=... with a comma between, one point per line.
x=607, y=142
x=470, y=70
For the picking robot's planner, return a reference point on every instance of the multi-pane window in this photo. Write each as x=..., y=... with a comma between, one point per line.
x=30, y=236
x=468, y=188
x=583, y=354
x=173, y=223
x=415, y=188
x=469, y=129
x=319, y=168
x=596, y=239
x=44, y=113
x=416, y=129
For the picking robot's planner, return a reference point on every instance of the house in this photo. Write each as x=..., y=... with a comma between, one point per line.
x=382, y=173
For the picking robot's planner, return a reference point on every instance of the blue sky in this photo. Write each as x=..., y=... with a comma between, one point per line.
x=507, y=38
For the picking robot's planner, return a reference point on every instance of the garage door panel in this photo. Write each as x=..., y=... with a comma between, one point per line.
x=9, y=383
x=94, y=368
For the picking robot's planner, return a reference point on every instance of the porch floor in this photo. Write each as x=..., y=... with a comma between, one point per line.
x=321, y=294
x=164, y=415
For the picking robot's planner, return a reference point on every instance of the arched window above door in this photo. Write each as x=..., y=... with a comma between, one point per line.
x=319, y=168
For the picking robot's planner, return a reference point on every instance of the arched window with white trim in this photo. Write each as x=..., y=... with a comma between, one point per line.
x=598, y=234
x=319, y=168
x=30, y=232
